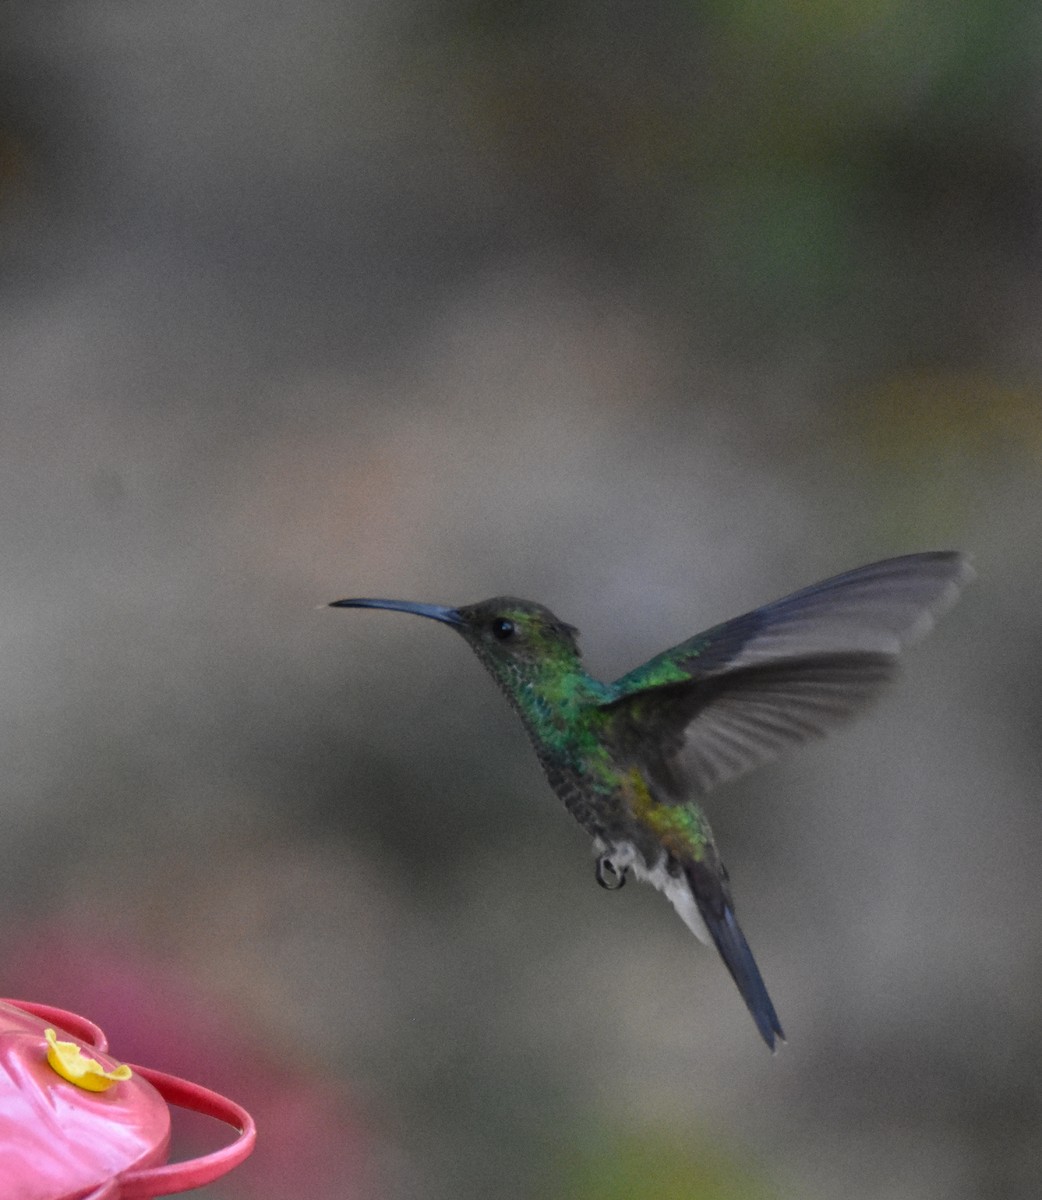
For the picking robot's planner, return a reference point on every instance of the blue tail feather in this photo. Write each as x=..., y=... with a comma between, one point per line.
x=738, y=958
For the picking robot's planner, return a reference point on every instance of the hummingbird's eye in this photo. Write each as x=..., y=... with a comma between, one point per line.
x=502, y=629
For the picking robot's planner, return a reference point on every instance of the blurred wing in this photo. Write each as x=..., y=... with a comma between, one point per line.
x=741, y=693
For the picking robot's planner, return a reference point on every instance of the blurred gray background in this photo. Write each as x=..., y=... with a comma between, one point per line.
x=652, y=312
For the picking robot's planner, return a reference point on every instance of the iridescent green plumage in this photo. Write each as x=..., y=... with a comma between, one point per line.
x=629, y=758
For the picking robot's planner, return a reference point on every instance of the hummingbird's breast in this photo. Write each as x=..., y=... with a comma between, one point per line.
x=566, y=723
x=584, y=772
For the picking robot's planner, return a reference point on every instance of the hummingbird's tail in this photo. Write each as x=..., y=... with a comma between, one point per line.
x=715, y=907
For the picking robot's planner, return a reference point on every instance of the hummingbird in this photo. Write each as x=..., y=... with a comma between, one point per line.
x=631, y=759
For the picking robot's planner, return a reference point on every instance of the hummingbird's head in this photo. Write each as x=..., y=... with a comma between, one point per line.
x=516, y=639
x=520, y=632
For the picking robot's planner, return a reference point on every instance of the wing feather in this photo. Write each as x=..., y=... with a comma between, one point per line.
x=745, y=691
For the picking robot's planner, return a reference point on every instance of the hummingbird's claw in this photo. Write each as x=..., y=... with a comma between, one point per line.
x=610, y=876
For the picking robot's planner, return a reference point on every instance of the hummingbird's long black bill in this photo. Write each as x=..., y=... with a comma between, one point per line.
x=437, y=612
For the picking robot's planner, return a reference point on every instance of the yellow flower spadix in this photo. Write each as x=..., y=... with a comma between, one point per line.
x=72, y=1064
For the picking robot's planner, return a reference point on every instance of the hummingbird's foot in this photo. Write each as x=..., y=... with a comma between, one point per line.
x=610, y=875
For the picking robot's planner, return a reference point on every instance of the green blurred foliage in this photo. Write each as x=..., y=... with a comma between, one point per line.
x=658, y=1164
x=769, y=164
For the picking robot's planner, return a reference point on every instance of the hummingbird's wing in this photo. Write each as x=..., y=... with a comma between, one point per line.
x=740, y=693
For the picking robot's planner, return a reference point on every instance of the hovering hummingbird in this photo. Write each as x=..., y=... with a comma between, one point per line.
x=630, y=758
